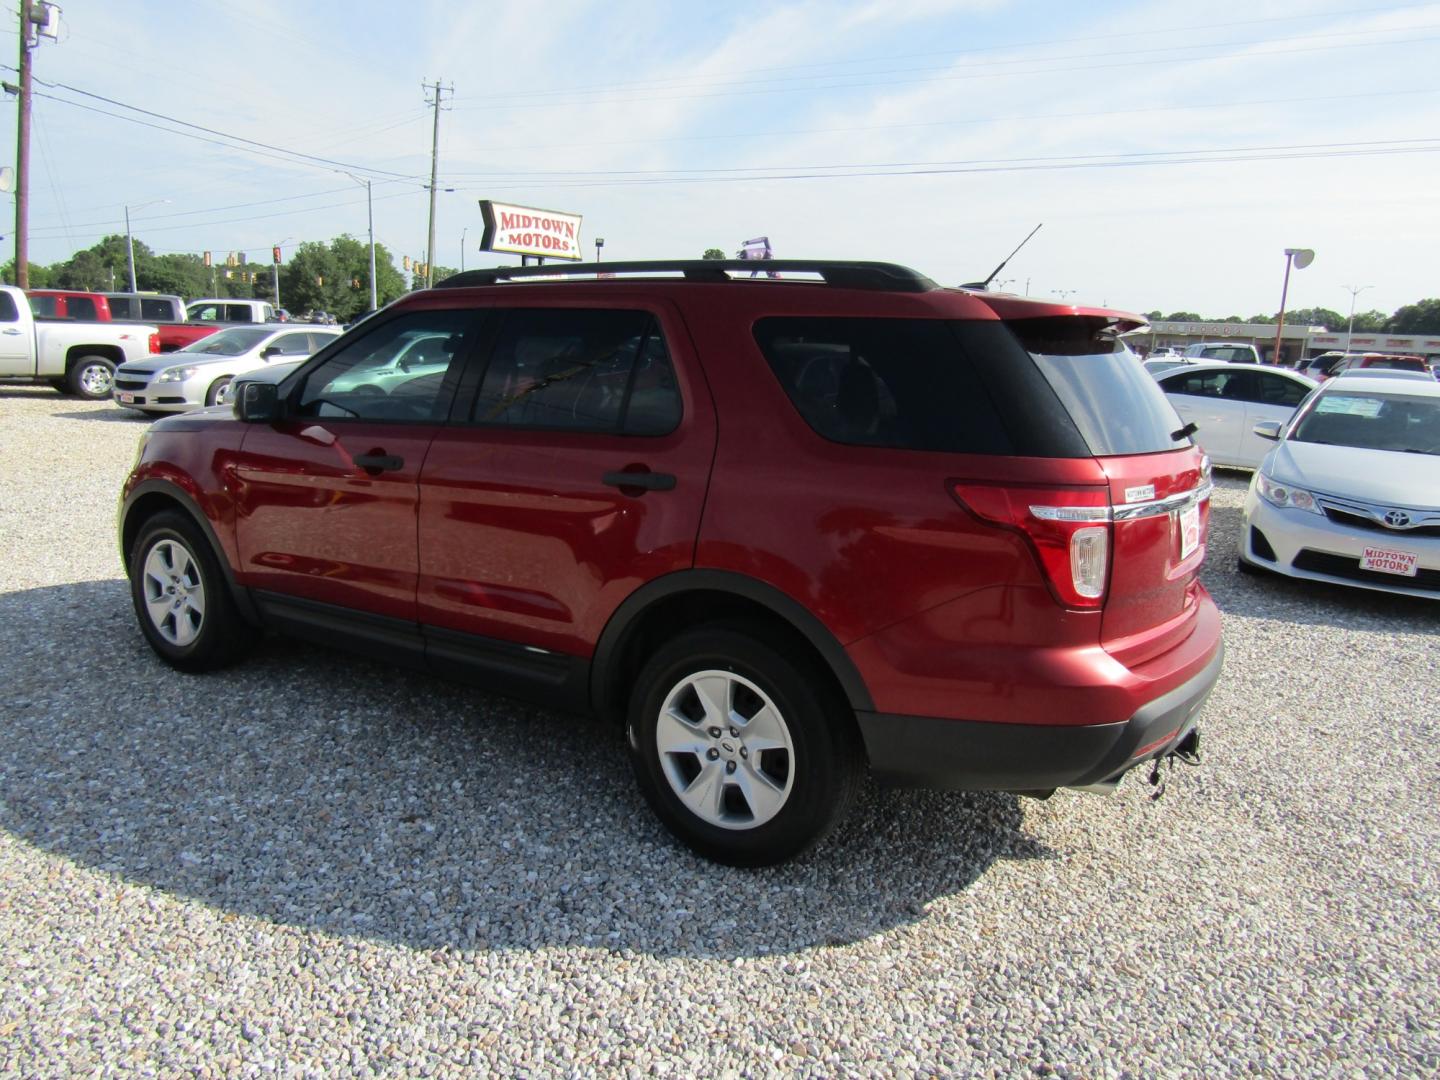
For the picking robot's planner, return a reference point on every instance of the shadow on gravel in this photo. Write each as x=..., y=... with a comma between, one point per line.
x=115, y=414
x=326, y=793
x=1292, y=600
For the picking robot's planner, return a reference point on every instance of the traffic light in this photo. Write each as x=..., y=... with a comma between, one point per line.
x=206, y=260
x=275, y=254
x=405, y=261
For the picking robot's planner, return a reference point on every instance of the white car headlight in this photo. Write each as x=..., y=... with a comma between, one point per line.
x=176, y=374
x=1285, y=495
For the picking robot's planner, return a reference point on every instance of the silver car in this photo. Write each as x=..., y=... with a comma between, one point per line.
x=197, y=375
x=1351, y=493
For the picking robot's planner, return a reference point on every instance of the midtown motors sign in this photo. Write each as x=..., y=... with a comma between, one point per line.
x=525, y=230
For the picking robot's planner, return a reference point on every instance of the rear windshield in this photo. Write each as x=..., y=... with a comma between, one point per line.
x=1396, y=363
x=158, y=310
x=1118, y=407
x=1405, y=422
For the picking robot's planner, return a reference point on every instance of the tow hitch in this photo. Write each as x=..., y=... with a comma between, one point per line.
x=1186, y=751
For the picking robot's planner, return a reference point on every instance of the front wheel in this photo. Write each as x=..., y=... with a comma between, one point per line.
x=747, y=756
x=219, y=392
x=91, y=377
x=181, y=597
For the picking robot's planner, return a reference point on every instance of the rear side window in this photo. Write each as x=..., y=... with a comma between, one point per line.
x=580, y=370
x=82, y=307
x=1117, y=406
x=44, y=306
x=908, y=384
x=153, y=310
x=121, y=307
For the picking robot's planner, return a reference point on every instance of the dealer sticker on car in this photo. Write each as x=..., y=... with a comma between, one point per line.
x=1189, y=531
x=1389, y=562
x=128, y=399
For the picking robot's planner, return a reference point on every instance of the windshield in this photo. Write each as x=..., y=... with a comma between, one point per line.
x=231, y=342
x=1403, y=422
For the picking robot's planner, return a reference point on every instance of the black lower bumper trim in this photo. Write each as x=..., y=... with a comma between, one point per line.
x=974, y=755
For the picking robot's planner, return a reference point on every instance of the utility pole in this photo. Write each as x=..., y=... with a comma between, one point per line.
x=22, y=153
x=440, y=92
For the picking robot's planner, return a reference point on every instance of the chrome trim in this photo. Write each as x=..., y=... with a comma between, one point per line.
x=1130, y=512
x=1169, y=505
x=1377, y=512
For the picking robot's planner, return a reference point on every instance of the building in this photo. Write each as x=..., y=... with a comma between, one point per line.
x=1296, y=342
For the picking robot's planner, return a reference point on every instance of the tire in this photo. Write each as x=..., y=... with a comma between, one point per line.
x=212, y=396
x=708, y=779
x=181, y=597
x=91, y=377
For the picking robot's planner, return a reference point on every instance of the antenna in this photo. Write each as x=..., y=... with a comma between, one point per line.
x=993, y=273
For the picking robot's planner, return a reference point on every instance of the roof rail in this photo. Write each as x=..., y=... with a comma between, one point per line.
x=877, y=276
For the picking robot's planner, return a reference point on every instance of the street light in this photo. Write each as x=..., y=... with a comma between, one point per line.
x=275, y=264
x=129, y=241
x=599, y=243
x=370, y=217
x=1301, y=258
x=1354, y=291
x=462, y=247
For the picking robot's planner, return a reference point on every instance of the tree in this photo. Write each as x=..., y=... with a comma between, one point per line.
x=440, y=273
x=40, y=276
x=1183, y=316
x=336, y=278
x=1421, y=317
x=1372, y=322
x=1331, y=320
x=713, y=253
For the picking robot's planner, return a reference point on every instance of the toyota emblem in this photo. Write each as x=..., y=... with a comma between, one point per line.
x=1397, y=519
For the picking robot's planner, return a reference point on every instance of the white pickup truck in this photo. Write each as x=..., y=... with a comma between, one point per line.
x=73, y=357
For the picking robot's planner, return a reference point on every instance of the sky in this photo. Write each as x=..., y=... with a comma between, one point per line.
x=1172, y=151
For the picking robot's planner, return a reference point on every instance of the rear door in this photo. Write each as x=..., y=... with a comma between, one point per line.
x=1206, y=398
x=576, y=473
x=1273, y=397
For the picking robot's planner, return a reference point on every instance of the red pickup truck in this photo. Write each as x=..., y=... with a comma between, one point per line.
x=165, y=313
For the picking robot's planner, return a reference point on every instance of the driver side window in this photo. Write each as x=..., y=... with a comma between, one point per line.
x=403, y=370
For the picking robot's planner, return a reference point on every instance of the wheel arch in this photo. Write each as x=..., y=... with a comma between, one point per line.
x=76, y=353
x=151, y=497
x=670, y=604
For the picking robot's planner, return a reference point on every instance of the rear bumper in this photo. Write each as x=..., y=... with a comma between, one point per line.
x=971, y=755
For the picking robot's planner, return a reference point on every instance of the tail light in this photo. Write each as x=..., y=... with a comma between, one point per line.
x=154, y=343
x=1067, y=528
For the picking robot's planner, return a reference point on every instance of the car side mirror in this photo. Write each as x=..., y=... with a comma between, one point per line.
x=257, y=402
x=269, y=351
x=1268, y=429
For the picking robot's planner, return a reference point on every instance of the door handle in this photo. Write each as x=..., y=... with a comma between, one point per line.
x=379, y=462
x=13, y=332
x=649, y=481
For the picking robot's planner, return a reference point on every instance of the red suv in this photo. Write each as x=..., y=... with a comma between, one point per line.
x=782, y=529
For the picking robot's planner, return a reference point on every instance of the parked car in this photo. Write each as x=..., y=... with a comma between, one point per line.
x=146, y=307
x=1350, y=491
x=213, y=310
x=1226, y=401
x=779, y=529
x=1232, y=352
x=1383, y=362
x=1323, y=366
x=196, y=375
x=51, y=304
x=1409, y=374
x=1157, y=367
x=76, y=358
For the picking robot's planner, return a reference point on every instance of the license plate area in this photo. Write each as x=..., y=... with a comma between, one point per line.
x=124, y=398
x=1390, y=561
x=1189, y=522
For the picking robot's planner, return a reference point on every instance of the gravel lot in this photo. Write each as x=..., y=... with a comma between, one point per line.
x=310, y=865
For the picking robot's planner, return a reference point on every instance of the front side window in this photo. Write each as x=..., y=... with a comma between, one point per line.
x=403, y=370
x=9, y=312
x=580, y=370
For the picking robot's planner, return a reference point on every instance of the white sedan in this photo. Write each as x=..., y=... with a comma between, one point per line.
x=197, y=375
x=1351, y=494
x=1226, y=401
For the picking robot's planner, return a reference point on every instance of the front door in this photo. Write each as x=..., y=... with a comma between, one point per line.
x=326, y=498
x=17, y=341
x=577, y=474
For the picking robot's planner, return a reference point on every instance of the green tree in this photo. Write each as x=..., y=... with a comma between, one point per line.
x=336, y=278
x=179, y=274
x=1318, y=316
x=713, y=253
x=40, y=276
x=1421, y=317
x=1372, y=322
x=1183, y=316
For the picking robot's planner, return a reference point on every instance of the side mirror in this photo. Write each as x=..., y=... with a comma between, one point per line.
x=257, y=402
x=1269, y=429
x=269, y=351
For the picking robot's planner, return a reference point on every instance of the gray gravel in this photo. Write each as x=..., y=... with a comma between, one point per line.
x=311, y=865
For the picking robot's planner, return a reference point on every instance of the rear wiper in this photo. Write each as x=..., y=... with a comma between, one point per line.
x=1185, y=432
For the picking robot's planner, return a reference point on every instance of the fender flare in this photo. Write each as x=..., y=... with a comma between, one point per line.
x=767, y=596
x=182, y=498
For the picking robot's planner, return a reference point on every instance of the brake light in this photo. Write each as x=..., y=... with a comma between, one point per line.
x=154, y=343
x=1067, y=528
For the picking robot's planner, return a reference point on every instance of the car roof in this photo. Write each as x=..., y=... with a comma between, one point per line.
x=1226, y=365
x=1373, y=384
x=1384, y=373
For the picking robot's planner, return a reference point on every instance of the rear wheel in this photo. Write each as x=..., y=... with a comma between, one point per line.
x=181, y=597
x=745, y=754
x=91, y=377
